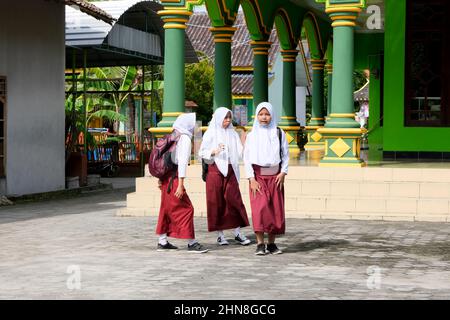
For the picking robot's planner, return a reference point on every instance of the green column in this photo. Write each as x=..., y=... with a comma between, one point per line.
x=174, y=57
x=341, y=133
x=317, y=117
x=329, y=69
x=288, y=111
x=222, y=66
x=343, y=115
x=260, y=70
x=315, y=139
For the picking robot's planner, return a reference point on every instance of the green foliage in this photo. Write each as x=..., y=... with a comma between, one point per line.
x=200, y=88
x=359, y=80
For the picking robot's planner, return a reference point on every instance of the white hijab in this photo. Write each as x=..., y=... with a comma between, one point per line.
x=262, y=142
x=216, y=135
x=185, y=124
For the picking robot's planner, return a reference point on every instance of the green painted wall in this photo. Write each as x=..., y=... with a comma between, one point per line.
x=367, y=45
x=375, y=133
x=397, y=137
x=368, y=55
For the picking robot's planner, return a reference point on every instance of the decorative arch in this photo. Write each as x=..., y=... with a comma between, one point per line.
x=288, y=22
x=285, y=30
x=222, y=12
x=313, y=36
x=329, y=51
x=255, y=20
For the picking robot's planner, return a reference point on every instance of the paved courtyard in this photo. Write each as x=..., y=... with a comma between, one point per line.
x=78, y=249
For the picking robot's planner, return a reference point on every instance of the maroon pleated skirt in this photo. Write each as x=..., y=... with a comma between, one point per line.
x=268, y=206
x=176, y=216
x=225, y=208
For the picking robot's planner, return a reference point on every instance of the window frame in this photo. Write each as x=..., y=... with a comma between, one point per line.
x=3, y=99
x=444, y=120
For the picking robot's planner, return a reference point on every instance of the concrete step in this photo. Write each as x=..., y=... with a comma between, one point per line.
x=394, y=194
x=303, y=203
x=352, y=174
x=375, y=190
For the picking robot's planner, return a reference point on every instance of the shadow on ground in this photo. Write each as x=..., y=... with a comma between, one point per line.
x=314, y=245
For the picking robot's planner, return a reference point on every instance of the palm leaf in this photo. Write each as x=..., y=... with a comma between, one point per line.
x=109, y=114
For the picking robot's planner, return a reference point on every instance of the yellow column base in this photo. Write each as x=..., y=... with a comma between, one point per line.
x=315, y=139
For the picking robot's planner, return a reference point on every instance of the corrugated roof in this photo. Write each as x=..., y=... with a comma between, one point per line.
x=241, y=54
x=136, y=37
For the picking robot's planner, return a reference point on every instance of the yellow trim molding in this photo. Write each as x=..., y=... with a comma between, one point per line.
x=289, y=118
x=174, y=12
x=334, y=18
x=343, y=24
x=161, y=130
x=343, y=8
x=342, y=115
x=341, y=131
x=174, y=26
x=171, y=114
x=175, y=20
x=241, y=68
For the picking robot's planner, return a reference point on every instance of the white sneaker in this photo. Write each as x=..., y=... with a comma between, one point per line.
x=242, y=239
x=222, y=241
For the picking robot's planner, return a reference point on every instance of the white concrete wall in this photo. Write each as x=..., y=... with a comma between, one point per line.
x=276, y=85
x=32, y=58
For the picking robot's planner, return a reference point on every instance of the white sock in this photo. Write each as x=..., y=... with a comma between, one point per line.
x=220, y=234
x=237, y=231
x=191, y=242
x=163, y=239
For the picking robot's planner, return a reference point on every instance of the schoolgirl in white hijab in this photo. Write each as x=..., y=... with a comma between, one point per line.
x=176, y=214
x=262, y=146
x=221, y=149
x=266, y=161
x=217, y=136
x=184, y=124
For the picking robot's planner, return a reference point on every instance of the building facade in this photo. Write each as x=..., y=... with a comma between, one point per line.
x=32, y=104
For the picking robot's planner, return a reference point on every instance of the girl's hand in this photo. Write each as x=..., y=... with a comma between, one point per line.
x=180, y=191
x=219, y=149
x=280, y=180
x=255, y=186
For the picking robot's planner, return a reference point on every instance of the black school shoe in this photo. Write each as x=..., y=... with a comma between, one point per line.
x=197, y=248
x=242, y=240
x=260, y=249
x=168, y=246
x=273, y=249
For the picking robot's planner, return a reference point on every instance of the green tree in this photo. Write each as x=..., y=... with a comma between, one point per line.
x=200, y=88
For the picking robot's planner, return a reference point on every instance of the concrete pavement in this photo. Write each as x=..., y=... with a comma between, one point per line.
x=79, y=249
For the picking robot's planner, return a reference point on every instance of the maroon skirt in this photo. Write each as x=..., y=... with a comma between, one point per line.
x=176, y=216
x=225, y=208
x=268, y=205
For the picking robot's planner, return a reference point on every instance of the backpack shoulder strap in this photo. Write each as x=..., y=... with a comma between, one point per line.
x=281, y=145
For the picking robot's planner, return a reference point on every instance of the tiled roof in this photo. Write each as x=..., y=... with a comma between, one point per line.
x=190, y=104
x=242, y=84
x=90, y=9
x=241, y=53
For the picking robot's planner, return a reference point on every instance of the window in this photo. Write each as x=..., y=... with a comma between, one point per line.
x=2, y=125
x=427, y=70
